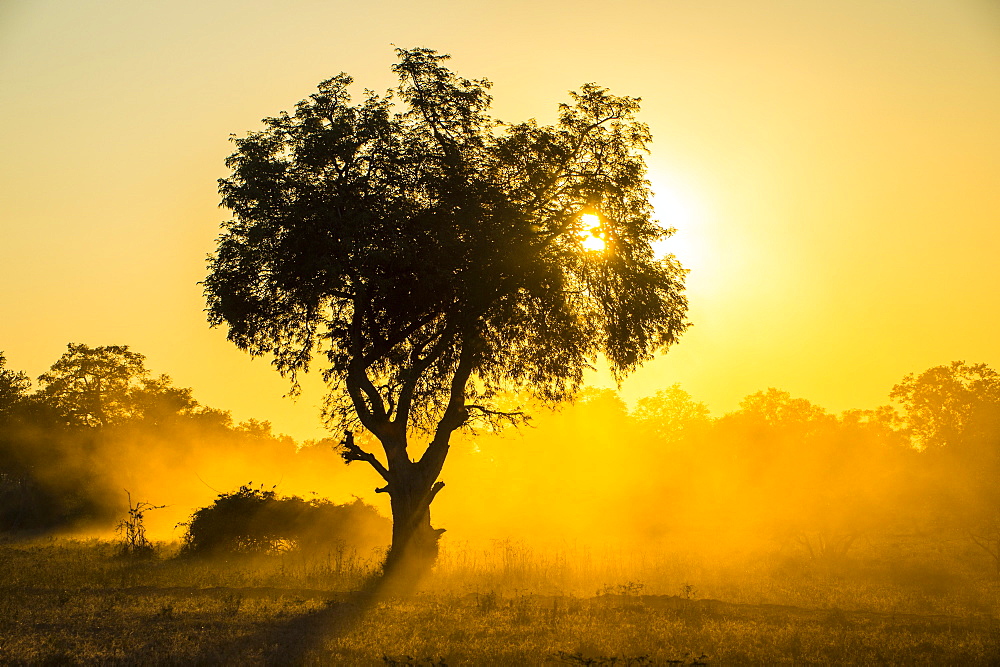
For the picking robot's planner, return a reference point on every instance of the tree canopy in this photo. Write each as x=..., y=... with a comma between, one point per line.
x=418, y=243
x=950, y=404
x=14, y=386
x=109, y=384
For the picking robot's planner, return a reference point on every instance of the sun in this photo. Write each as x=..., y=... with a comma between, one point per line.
x=591, y=235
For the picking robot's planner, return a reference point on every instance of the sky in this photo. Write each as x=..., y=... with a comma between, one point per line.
x=832, y=168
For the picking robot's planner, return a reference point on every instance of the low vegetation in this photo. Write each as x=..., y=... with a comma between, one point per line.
x=77, y=602
x=257, y=521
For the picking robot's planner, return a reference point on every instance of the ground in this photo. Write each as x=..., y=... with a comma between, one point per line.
x=65, y=602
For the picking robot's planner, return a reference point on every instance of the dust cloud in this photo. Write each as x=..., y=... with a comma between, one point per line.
x=779, y=475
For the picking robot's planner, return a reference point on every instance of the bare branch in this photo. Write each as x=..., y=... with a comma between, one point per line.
x=370, y=410
x=496, y=417
x=434, y=491
x=353, y=452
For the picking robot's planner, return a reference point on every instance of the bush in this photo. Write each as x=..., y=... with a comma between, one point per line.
x=133, y=542
x=257, y=521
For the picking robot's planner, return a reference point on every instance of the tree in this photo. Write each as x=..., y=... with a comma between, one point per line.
x=433, y=257
x=952, y=413
x=670, y=413
x=775, y=408
x=946, y=405
x=14, y=386
x=90, y=385
x=109, y=385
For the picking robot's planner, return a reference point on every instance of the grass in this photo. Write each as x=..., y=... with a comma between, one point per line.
x=76, y=602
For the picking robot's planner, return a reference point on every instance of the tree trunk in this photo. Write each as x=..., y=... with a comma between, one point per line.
x=411, y=487
x=414, y=546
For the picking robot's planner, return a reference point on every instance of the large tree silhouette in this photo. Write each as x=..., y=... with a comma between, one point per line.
x=430, y=257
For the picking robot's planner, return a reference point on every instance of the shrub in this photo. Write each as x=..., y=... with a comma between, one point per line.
x=133, y=542
x=257, y=521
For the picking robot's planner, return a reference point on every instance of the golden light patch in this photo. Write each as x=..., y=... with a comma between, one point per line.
x=591, y=233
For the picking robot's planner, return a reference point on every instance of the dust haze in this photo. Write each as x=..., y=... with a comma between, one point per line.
x=780, y=480
x=776, y=531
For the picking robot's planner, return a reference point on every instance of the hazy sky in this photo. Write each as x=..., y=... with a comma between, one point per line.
x=832, y=167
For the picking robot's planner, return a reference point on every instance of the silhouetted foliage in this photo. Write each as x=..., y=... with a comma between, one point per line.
x=14, y=388
x=671, y=413
x=37, y=489
x=253, y=520
x=432, y=256
x=110, y=385
x=98, y=422
x=952, y=413
x=90, y=386
x=956, y=406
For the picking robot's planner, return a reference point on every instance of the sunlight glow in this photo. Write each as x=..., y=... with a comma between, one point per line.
x=590, y=235
x=680, y=211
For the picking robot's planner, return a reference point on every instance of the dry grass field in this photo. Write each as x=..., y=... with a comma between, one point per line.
x=77, y=602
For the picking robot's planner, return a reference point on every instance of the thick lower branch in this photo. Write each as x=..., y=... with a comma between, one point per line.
x=435, y=488
x=353, y=452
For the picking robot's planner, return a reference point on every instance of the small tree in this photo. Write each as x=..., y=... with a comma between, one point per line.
x=132, y=530
x=433, y=257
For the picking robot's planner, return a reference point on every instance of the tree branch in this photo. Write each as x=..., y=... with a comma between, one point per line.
x=497, y=416
x=455, y=414
x=984, y=544
x=353, y=452
x=416, y=370
x=367, y=401
x=402, y=334
x=359, y=385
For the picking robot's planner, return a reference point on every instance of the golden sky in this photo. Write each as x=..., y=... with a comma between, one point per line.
x=832, y=167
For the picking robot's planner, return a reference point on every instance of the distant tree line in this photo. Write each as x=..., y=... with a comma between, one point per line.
x=922, y=471
x=98, y=422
